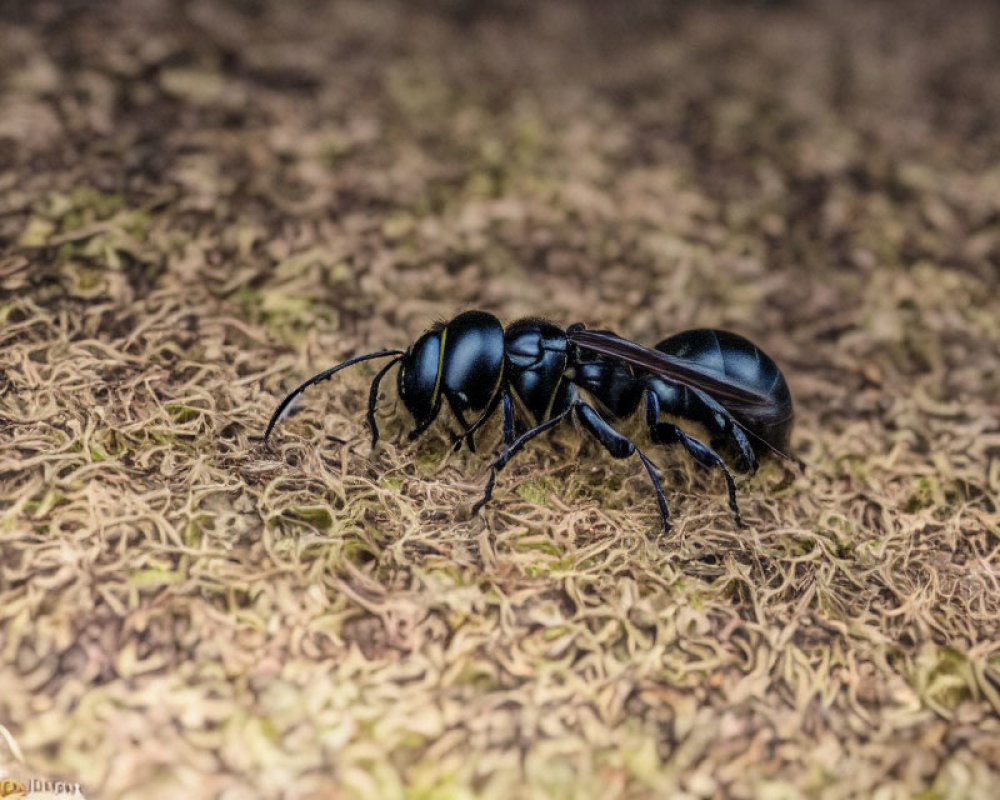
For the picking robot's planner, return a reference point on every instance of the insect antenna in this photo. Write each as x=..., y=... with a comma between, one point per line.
x=283, y=408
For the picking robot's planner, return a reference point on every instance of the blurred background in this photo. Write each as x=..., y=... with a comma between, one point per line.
x=203, y=203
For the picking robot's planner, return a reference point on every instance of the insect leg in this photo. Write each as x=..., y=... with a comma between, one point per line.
x=701, y=407
x=514, y=448
x=508, y=418
x=721, y=423
x=373, y=399
x=467, y=434
x=419, y=429
x=467, y=429
x=668, y=433
x=503, y=397
x=620, y=446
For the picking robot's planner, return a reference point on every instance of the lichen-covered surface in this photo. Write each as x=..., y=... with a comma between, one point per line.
x=203, y=203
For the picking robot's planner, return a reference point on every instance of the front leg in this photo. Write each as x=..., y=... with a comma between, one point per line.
x=467, y=430
x=423, y=426
x=507, y=405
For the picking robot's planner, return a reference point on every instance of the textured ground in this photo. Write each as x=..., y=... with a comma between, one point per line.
x=202, y=203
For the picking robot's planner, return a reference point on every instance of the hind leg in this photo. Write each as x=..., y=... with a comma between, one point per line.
x=668, y=434
x=690, y=403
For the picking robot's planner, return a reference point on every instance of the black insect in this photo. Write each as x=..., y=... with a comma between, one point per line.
x=534, y=372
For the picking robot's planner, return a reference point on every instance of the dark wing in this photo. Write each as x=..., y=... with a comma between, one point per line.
x=670, y=367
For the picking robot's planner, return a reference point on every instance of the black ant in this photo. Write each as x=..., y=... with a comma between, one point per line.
x=534, y=371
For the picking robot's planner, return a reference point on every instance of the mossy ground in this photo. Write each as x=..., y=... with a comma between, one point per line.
x=202, y=203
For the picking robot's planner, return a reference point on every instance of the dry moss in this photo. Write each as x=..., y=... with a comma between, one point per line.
x=198, y=210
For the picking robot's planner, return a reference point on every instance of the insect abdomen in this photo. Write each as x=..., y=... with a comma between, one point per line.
x=746, y=365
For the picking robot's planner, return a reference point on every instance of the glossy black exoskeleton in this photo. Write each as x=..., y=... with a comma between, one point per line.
x=539, y=374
